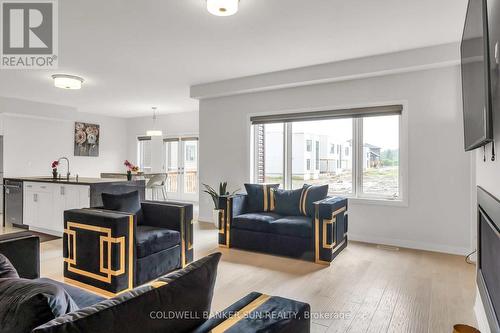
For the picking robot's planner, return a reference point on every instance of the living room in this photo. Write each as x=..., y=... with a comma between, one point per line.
x=263, y=166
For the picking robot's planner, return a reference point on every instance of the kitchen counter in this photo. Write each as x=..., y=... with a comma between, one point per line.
x=71, y=181
x=38, y=203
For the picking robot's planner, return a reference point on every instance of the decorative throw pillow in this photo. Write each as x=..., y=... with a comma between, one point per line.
x=177, y=302
x=124, y=202
x=287, y=202
x=26, y=304
x=7, y=270
x=311, y=194
x=260, y=197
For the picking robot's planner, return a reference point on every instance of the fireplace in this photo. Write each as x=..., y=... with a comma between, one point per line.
x=488, y=264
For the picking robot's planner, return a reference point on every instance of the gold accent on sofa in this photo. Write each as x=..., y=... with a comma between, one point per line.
x=303, y=200
x=228, y=222
x=221, y=221
x=324, y=241
x=264, y=188
x=271, y=199
x=326, y=223
x=240, y=314
x=158, y=284
x=333, y=222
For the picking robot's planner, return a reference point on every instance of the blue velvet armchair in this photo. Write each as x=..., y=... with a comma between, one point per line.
x=111, y=251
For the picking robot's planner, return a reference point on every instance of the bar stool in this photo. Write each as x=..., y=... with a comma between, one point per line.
x=157, y=186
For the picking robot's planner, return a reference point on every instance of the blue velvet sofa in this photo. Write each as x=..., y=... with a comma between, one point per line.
x=178, y=302
x=317, y=234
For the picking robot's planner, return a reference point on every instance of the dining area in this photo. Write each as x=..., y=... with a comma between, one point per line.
x=164, y=186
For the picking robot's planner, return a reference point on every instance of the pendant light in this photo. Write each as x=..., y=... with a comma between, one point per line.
x=154, y=131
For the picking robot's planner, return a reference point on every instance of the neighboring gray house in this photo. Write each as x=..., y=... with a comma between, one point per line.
x=312, y=155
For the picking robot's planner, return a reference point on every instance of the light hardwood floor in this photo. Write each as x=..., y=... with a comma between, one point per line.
x=366, y=289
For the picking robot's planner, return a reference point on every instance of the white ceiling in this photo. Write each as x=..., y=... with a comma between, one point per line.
x=135, y=54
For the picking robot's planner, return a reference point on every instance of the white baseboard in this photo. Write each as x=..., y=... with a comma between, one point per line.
x=410, y=244
x=482, y=320
x=394, y=242
x=206, y=220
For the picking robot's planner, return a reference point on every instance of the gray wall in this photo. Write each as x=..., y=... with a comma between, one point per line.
x=438, y=216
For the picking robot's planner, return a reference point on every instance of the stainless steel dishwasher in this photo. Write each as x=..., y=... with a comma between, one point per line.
x=13, y=208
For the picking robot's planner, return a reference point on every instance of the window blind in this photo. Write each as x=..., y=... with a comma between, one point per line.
x=373, y=111
x=193, y=138
x=171, y=140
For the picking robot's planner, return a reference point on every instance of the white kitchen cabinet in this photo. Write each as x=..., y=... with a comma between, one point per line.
x=37, y=205
x=45, y=203
x=70, y=197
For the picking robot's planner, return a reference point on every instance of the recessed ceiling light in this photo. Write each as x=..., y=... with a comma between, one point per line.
x=223, y=7
x=65, y=81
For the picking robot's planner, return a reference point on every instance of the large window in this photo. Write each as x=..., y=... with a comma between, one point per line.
x=357, y=157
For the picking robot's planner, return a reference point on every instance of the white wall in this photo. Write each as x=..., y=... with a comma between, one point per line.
x=172, y=125
x=35, y=134
x=438, y=215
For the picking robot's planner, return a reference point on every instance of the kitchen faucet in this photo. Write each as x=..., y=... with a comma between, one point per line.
x=67, y=165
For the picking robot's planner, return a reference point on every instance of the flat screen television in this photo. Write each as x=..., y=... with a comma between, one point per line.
x=474, y=50
x=493, y=17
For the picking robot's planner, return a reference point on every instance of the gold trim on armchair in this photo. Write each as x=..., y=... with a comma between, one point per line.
x=104, y=268
x=71, y=234
x=110, y=241
x=183, y=239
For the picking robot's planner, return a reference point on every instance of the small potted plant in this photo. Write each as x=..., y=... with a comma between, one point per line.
x=130, y=168
x=215, y=198
x=55, y=164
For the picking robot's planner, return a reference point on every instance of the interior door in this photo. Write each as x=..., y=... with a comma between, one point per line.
x=181, y=166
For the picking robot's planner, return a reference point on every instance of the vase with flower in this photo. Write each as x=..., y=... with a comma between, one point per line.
x=55, y=164
x=130, y=168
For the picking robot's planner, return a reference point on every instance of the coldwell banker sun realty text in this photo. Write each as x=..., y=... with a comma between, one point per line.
x=29, y=34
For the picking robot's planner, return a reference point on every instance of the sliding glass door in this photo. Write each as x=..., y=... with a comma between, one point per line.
x=181, y=166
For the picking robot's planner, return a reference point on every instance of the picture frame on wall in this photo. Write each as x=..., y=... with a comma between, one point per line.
x=86, y=139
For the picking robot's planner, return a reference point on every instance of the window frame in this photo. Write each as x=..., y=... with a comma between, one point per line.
x=140, y=153
x=355, y=197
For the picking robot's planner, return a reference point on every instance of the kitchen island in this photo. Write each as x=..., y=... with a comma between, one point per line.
x=38, y=203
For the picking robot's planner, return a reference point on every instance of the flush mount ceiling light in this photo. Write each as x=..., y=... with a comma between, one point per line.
x=222, y=7
x=65, y=81
x=154, y=131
